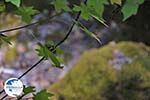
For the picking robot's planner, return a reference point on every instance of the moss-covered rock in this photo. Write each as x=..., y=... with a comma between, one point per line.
x=114, y=72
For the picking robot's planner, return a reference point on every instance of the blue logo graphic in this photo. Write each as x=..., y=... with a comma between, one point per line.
x=10, y=82
x=13, y=87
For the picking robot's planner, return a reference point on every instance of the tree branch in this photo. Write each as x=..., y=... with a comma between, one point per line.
x=70, y=30
x=59, y=43
x=28, y=25
x=38, y=62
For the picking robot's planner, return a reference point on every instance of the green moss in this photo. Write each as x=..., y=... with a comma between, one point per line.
x=94, y=78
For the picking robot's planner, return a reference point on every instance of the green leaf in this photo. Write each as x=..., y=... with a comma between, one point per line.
x=92, y=8
x=59, y=51
x=2, y=6
x=54, y=59
x=131, y=7
x=96, y=7
x=15, y=2
x=84, y=11
x=45, y=52
x=26, y=13
x=119, y=2
x=60, y=60
x=5, y=38
x=26, y=91
x=42, y=95
x=29, y=89
x=88, y=32
x=61, y=5
x=76, y=8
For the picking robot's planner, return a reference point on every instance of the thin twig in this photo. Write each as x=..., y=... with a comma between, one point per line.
x=69, y=31
x=59, y=43
x=25, y=26
x=20, y=27
x=2, y=91
x=33, y=66
x=38, y=62
x=28, y=25
x=4, y=97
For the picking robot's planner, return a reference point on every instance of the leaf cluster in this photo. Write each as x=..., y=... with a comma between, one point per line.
x=41, y=95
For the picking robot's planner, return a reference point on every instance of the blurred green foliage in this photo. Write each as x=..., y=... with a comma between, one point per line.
x=92, y=8
x=131, y=7
x=26, y=13
x=94, y=78
x=48, y=53
x=41, y=95
x=61, y=4
x=15, y=2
